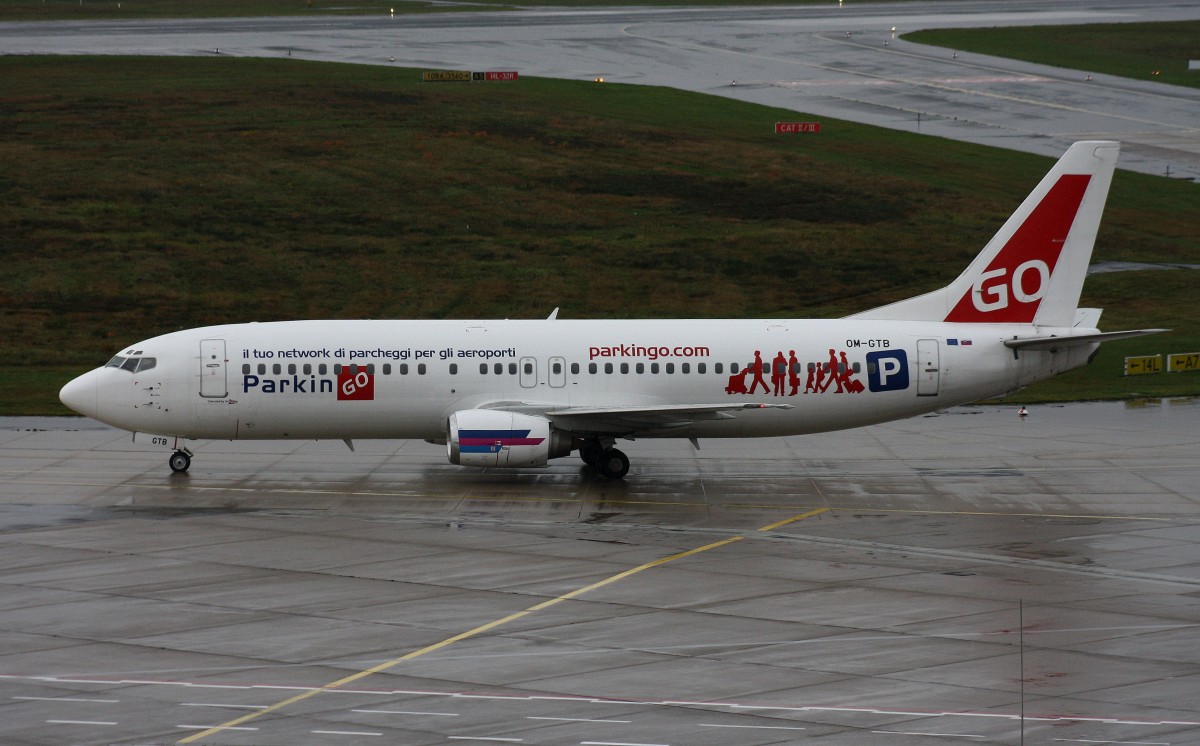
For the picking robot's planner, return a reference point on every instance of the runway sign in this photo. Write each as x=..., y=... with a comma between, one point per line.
x=465, y=76
x=1140, y=366
x=1183, y=361
x=446, y=76
x=786, y=128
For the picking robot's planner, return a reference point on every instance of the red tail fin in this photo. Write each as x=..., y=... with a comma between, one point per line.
x=1012, y=286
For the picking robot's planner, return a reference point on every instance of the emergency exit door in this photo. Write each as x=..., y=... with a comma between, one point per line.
x=212, y=369
x=928, y=367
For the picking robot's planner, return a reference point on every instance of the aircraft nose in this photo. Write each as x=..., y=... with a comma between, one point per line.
x=80, y=394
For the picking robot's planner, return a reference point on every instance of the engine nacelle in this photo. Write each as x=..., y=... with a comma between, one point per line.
x=489, y=437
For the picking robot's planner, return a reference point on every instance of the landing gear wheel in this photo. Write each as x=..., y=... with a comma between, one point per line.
x=591, y=453
x=179, y=462
x=612, y=464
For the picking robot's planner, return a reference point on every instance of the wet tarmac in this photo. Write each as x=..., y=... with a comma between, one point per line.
x=957, y=578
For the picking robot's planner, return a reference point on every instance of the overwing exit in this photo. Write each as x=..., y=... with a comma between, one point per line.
x=516, y=394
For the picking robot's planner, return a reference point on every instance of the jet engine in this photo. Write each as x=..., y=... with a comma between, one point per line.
x=489, y=437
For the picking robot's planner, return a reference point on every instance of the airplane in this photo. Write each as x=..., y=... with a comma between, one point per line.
x=518, y=393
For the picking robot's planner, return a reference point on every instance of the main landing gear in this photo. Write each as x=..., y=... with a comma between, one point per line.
x=180, y=461
x=610, y=462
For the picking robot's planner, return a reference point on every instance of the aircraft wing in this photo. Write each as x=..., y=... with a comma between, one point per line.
x=1074, y=340
x=656, y=417
x=630, y=419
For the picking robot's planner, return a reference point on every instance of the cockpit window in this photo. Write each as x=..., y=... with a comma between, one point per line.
x=132, y=364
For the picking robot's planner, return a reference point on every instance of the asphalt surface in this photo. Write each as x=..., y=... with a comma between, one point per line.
x=819, y=61
x=921, y=582
x=970, y=577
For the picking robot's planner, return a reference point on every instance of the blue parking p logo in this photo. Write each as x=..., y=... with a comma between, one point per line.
x=887, y=371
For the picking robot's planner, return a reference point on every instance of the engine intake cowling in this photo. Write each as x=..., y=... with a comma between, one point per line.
x=488, y=437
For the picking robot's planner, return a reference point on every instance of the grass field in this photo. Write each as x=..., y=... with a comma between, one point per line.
x=1145, y=51
x=140, y=196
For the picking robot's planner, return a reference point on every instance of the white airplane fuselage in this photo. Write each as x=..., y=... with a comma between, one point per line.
x=294, y=379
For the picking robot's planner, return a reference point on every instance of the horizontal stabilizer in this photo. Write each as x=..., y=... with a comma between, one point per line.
x=1075, y=340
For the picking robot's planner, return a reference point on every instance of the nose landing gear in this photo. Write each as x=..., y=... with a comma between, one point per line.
x=180, y=460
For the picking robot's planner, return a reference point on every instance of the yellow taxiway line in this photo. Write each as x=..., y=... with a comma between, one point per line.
x=482, y=629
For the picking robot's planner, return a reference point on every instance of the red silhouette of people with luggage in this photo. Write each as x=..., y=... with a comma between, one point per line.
x=793, y=373
x=756, y=368
x=737, y=382
x=837, y=374
x=778, y=373
x=844, y=372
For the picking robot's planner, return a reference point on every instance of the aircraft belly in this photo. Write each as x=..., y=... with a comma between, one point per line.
x=298, y=420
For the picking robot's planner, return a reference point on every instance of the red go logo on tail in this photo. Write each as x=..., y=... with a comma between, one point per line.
x=1017, y=278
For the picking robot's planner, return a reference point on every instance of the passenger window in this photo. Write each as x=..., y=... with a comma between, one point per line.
x=593, y=368
x=454, y=369
x=291, y=369
x=699, y=367
x=371, y=368
x=718, y=368
x=262, y=369
x=246, y=369
x=512, y=369
x=556, y=368
x=857, y=367
x=277, y=368
x=640, y=368
x=528, y=369
x=574, y=369
x=321, y=369
x=308, y=369
x=608, y=368
x=404, y=369
x=654, y=368
x=625, y=368
x=685, y=368
x=734, y=368
x=499, y=368
x=337, y=369
x=354, y=369
x=387, y=369
x=421, y=369
x=670, y=367
x=483, y=369
x=146, y=364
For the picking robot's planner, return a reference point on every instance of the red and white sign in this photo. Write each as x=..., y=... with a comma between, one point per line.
x=787, y=128
x=355, y=385
x=501, y=75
